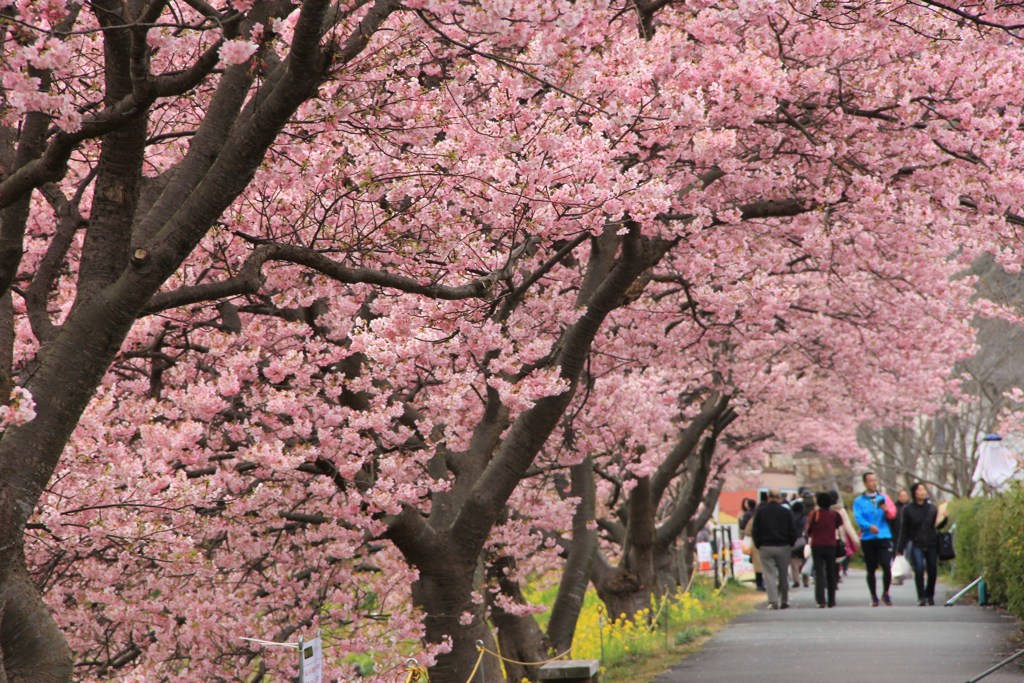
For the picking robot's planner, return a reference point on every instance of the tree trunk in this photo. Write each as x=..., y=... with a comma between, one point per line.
x=33, y=648
x=445, y=596
x=629, y=587
x=576, y=573
x=519, y=637
x=622, y=592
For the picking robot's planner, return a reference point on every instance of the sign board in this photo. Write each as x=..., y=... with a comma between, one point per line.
x=312, y=661
x=738, y=556
x=704, y=556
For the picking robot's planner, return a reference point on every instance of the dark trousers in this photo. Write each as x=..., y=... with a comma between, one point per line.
x=925, y=561
x=826, y=574
x=877, y=554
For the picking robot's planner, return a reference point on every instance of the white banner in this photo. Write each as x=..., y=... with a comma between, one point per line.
x=312, y=661
x=704, y=556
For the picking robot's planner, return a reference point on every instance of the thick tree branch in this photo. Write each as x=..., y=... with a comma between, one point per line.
x=766, y=208
x=693, y=492
x=250, y=279
x=686, y=443
x=531, y=429
x=1011, y=218
x=975, y=18
x=69, y=220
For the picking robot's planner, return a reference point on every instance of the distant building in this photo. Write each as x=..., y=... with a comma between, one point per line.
x=788, y=472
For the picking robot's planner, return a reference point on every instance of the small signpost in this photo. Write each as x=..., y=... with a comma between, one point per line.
x=311, y=660
x=311, y=656
x=704, y=556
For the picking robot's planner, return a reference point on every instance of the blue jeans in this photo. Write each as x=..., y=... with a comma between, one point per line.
x=925, y=561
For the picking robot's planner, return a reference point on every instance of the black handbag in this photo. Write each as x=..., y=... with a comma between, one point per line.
x=946, y=549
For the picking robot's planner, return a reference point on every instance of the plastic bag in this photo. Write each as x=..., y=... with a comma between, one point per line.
x=901, y=567
x=808, y=567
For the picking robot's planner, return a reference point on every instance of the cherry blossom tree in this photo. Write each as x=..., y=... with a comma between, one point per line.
x=297, y=297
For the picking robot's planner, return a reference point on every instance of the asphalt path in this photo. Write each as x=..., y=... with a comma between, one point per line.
x=853, y=641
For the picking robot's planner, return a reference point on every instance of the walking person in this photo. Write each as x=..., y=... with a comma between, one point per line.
x=746, y=525
x=774, y=533
x=920, y=518
x=797, y=559
x=847, y=534
x=902, y=498
x=823, y=525
x=869, y=511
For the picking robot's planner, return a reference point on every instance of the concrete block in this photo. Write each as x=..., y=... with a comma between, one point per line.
x=571, y=671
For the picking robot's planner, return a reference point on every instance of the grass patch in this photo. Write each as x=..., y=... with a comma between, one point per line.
x=638, y=649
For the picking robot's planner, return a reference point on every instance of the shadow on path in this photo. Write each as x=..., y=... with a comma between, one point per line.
x=855, y=642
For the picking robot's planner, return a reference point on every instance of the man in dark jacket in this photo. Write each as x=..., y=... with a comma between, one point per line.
x=774, y=533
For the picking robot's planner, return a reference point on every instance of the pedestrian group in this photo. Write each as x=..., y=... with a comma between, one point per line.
x=814, y=536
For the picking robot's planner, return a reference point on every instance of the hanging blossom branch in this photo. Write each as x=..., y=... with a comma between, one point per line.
x=250, y=278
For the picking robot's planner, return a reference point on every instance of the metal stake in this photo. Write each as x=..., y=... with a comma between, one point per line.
x=949, y=603
x=997, y=666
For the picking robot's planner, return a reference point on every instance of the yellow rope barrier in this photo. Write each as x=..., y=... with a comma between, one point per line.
x=515, y=661
x=476, y=667
x=689, y=584
x=416, y=672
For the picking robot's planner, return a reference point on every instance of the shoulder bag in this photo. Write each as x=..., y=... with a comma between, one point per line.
x=946, y=549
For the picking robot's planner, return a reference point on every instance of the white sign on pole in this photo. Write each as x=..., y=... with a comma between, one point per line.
x=312, y=661
x=704, y=556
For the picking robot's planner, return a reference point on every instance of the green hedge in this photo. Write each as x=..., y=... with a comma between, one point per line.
x=989, y=539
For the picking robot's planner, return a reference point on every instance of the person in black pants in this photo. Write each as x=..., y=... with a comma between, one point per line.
x=822, y=526
x=918, y=527
x=875, y=536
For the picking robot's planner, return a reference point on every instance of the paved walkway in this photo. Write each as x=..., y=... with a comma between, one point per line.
x=855, y=642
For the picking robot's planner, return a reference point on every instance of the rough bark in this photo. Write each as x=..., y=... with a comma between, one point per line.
x=652, y=553
x=34, y=650
x=519, y=636
x=487, y=474
x=629, y=588
x=444, y=597
x=73, y=362
x=576, y=573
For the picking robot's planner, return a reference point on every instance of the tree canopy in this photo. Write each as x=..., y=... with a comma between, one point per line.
x=315, y=313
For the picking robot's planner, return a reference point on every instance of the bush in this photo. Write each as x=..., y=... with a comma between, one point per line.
x=967, y=513
x=1011, y=548
x=989, y=541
